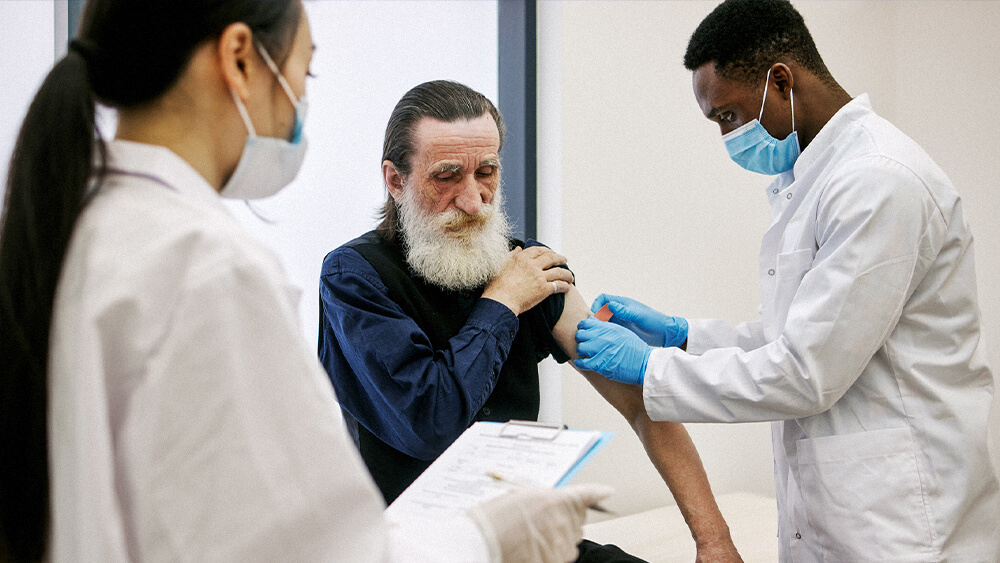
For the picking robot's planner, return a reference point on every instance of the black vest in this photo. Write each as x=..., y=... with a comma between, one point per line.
x=441, y=314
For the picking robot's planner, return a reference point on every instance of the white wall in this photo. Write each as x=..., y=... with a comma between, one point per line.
x=27, y=49
x=549, y=77
x=653, y=208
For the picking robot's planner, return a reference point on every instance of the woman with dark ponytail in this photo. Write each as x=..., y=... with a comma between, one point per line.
x=157, y=401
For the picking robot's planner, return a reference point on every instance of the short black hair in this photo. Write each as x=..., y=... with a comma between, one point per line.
x=745, y=37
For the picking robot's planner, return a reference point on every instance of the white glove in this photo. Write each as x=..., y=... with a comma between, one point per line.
x=536, y=525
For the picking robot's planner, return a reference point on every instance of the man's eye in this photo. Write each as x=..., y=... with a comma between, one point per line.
x=485, y=171
x=726, y=117
x=445, y=177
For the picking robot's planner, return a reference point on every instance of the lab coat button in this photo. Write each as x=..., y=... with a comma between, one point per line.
x=770, y=272
x=789, y=196
x=774, y=191
x=798, y=536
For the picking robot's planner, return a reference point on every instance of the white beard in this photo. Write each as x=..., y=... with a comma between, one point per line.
x=446, y=251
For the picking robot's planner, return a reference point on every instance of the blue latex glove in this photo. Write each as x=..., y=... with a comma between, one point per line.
x=655, y=328
x=611, y=350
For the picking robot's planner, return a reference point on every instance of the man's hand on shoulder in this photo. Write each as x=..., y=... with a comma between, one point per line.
x=529, y=277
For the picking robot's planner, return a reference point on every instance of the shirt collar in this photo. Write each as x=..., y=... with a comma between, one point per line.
x=161, y=165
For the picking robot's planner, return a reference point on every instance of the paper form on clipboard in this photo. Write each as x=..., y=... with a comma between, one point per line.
x=528, y=453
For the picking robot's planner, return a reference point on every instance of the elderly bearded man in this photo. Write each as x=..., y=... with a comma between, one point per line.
x=437, y=318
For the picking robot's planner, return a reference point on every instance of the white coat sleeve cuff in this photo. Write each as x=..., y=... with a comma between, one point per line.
x=455, y=540
x=658, y=407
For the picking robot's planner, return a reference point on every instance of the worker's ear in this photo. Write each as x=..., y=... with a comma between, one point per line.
x=235, y=50
x=782, y=78
x=393, y=179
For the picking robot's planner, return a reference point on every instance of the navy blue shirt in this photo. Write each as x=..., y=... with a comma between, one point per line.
x=397, y=375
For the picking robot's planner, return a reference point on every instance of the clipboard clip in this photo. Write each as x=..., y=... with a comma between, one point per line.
x=530, y=430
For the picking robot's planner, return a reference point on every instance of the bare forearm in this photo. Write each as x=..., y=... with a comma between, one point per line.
x=668, y=445
x=673, y=453
x=670, y=448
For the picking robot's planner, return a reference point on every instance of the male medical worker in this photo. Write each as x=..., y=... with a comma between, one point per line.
x=431, y=322
x=869, y=354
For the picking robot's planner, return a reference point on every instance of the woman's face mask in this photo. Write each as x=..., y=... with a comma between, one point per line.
x=267, y=164
x=753, y=148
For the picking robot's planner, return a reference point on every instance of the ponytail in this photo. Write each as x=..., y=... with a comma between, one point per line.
x=47, y=182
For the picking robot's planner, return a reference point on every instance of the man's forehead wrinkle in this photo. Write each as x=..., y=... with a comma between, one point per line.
x=435, y=157
x=460, y=144
x=464, y=135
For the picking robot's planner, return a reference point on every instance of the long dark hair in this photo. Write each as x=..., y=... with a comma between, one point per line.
x=127, y=53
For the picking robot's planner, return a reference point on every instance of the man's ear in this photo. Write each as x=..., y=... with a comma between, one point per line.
x=236, y=51
x=393, y=179
x=783, y=79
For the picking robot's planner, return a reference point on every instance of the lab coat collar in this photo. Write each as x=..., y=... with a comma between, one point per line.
x=777, y=196
x=160, y=165
x=851, y=112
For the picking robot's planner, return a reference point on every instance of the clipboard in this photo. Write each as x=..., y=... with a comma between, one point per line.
x=547, y=432
x=525, y=453
x=531, y=430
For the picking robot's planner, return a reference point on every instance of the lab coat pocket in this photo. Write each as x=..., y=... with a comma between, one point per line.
x=864, y=497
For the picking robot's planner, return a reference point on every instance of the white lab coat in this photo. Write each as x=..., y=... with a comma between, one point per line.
x=868, y=352
x=189, y=420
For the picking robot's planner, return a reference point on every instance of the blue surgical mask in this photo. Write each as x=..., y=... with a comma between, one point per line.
x=753, y=148
x=267, y=164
